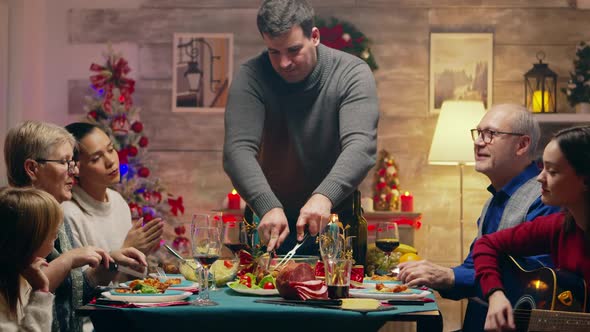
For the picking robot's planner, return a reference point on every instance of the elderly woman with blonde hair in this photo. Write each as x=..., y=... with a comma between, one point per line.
x=40, y=155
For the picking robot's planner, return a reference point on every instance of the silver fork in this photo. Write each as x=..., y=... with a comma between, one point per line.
x=290, y=254
x=160, y=272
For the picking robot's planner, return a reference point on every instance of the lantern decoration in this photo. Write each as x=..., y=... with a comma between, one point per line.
x=540, y=88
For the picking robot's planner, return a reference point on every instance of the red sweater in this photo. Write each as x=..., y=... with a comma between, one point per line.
x=544, y=236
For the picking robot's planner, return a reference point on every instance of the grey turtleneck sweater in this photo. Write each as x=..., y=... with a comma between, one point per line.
x=285, y=142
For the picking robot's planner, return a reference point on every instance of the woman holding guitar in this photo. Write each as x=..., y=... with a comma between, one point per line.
x=565, y=180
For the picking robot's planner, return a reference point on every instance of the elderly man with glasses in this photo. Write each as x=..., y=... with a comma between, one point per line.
x=505, y=143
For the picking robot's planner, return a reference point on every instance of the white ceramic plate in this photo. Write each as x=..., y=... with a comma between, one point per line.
x=250, y=291
x=167, y=296
x=371, y=293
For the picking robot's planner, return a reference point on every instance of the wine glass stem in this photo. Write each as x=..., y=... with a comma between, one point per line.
x=205, y=287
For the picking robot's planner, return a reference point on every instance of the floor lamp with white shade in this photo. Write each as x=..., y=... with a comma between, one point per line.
x=452, y=143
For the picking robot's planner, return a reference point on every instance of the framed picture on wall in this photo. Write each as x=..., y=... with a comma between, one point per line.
x=202, y=67
x=460, y=67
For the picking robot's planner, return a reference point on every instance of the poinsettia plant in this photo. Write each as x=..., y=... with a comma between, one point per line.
x=345, y=37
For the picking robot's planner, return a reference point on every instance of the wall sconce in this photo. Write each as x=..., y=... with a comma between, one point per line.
x=540, y=88
x=193, y=74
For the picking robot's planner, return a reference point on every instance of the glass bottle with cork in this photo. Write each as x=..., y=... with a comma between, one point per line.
x=357, y=228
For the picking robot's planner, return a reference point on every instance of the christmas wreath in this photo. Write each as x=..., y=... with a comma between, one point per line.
x=345, y=37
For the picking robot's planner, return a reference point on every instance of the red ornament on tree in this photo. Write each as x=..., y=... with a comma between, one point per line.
x=135, y=210
x=123, y=156
x=143, y=141
x=132, y=151
x=120, y=126
x=137, y=127
x=156, y=197
x=147, y=196
x=93, y=114
x=147, y=217
x=144, y=172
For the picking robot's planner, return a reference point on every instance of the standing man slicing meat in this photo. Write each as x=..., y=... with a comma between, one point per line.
x=300, y=127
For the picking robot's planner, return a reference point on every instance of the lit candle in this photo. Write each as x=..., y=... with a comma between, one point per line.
x=540, y=101
x=233, y=200
x=407, y=202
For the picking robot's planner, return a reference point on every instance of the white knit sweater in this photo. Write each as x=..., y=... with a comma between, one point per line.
x=95, y=223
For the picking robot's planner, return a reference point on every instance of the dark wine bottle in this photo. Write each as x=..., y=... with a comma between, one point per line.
x=358, y=228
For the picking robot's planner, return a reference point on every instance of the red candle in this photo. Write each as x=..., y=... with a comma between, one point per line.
x=407, y=202
x=233, y=200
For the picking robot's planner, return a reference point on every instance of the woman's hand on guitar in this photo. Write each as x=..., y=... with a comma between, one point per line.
x=499, y=316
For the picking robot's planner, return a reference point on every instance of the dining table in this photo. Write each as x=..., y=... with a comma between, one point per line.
x=236, y=312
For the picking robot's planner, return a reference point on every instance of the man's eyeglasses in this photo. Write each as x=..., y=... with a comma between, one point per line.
x=71, y=163
x=488, y=135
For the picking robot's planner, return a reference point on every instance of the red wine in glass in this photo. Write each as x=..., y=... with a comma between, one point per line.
x=387, y=245
x=338, y=292
x=206, y=260
x=236, y=247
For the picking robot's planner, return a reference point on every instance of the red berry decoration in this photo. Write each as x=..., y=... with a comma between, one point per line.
x=132, y=151
x=137, y=127
x=93, y=114
x=179, y=230
x=144, y=172
x=143, y=141
x=182, y=244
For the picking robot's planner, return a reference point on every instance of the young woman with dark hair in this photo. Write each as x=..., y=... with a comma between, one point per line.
x=565, y=180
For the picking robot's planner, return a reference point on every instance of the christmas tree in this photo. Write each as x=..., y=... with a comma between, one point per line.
x=112, y=109
x=386, y=183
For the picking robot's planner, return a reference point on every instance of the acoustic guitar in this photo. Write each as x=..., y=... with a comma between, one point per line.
x=548, y=299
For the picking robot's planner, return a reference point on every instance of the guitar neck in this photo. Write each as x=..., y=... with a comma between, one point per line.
x=544, y=320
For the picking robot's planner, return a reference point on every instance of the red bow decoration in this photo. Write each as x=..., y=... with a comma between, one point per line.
x=176, y=205
x=113, y=76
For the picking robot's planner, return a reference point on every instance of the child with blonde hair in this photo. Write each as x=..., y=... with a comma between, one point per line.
x=30, y=219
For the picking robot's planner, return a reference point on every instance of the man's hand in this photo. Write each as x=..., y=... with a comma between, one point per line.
x=35, y=276
x=317, y=207
x=499, y=317
x=145, y=237
x=425, y=273
x=273, y=228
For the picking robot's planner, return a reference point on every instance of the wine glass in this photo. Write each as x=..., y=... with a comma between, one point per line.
x=215, y=220
x=387, y=239
x=235, y=236
x=206, y=250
